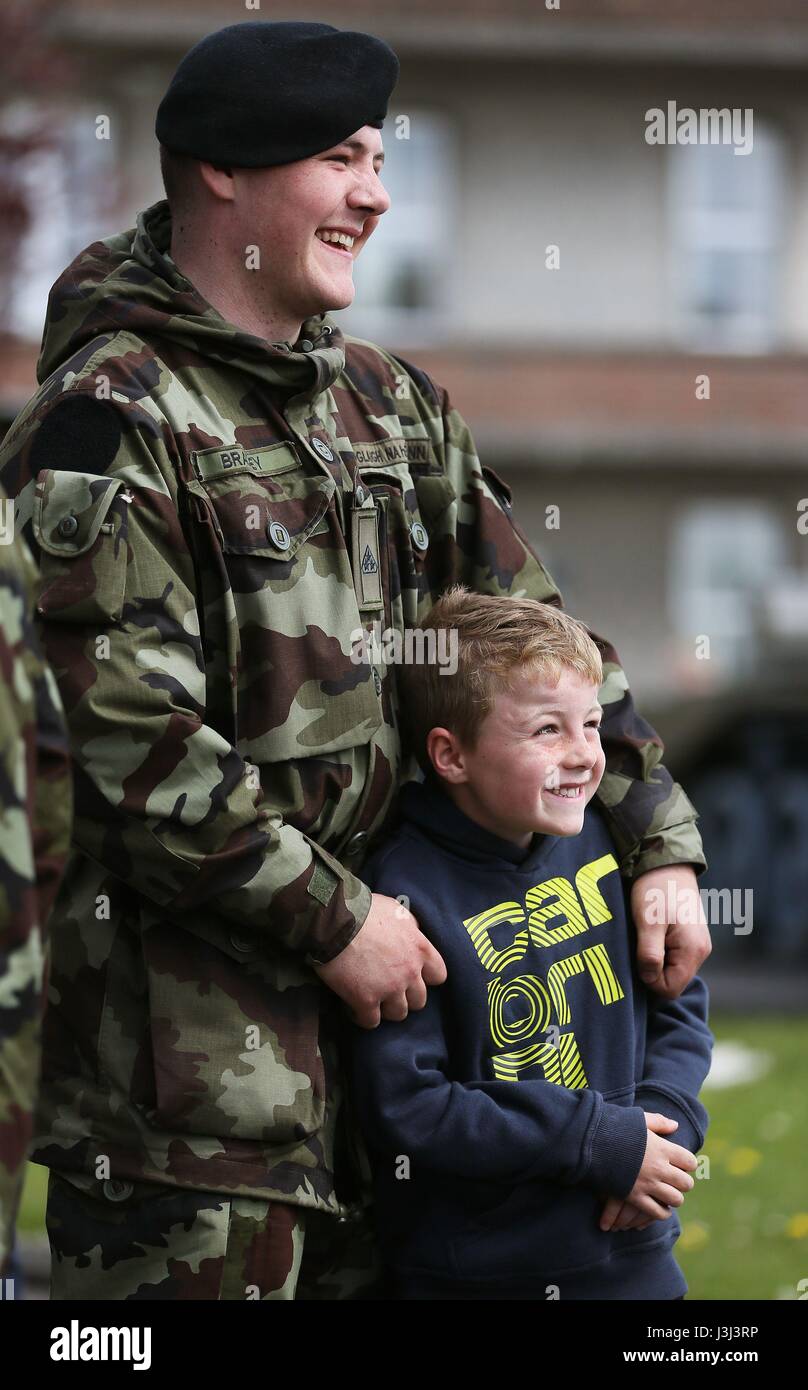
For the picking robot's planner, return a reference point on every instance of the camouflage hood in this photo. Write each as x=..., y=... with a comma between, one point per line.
x=129, y=283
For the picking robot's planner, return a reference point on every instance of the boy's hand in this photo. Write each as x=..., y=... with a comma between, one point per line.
x=673, y=938
x=384, y=971
x=619, y=1214
x=664, y=1177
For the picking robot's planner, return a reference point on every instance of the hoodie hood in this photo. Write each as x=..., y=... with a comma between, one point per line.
x=427, y=806
x=128, y=283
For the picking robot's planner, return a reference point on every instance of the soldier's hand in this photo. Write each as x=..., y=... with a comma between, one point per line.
x=673, y=939
x=384, y=971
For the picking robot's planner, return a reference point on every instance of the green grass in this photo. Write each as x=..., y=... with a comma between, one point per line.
x=745, y=1226
x=31, y=1218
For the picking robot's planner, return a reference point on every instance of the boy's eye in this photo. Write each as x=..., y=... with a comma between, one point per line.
x=594, y=724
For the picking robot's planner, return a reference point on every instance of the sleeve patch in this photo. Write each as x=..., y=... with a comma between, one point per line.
x=322, y=883
x=80, y=433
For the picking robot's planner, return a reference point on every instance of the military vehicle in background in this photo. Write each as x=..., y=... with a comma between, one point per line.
x=741, y=754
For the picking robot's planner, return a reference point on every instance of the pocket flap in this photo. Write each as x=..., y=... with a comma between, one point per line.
x=266, y=504
x=70, y=509
x=81, y=537
x=434, y=495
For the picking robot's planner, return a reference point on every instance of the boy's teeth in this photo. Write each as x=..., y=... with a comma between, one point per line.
x=570, y=792
x=341, y=238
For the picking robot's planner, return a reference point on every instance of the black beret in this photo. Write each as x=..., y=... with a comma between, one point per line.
x=261, y=93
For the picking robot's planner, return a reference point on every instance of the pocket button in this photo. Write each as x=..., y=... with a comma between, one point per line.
x=420, y=539
x=351, y=1212
x=241, y=943
x=279, y=535
x=356, y=843
x=116, y=1190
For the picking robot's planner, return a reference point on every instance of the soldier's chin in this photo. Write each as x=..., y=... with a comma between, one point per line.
x=339, y=298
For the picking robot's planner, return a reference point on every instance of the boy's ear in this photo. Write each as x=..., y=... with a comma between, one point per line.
x=445, y=753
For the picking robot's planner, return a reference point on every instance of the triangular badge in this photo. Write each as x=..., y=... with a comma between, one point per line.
x=369, y=565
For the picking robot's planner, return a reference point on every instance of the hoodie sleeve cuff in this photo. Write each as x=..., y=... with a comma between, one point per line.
x=689, y=1134
x=617, y=1150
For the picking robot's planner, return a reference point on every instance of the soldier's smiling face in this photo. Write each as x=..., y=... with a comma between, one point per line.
x=289, y=208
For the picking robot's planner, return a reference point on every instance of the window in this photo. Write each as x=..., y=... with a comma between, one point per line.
x=726, y=556
x=727, y=216
x=403, y=275
x=68, y=183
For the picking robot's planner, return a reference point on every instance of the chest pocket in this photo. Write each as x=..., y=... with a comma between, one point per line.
x=418, y=498
x=291, y=621
x=264, y=503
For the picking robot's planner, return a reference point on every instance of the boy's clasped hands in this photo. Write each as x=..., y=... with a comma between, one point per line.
x=662, y=1180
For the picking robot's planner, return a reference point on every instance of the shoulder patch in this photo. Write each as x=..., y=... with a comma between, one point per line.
x=79, y=433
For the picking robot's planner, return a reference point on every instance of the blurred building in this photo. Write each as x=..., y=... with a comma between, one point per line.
x=623, y=324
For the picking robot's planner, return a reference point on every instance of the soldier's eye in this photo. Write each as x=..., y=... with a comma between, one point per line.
x=545, y=727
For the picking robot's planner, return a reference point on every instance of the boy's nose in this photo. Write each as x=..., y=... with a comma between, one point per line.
x=582, y=753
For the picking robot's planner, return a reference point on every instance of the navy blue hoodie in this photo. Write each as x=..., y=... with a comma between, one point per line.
x=500, y=1116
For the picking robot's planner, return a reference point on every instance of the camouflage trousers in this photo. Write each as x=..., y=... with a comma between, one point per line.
x=137, y=1241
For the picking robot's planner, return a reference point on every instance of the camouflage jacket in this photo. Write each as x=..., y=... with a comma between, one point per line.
x=215, y=517
x=35, y=807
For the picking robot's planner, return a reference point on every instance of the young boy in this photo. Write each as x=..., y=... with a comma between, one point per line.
x=533, y=1127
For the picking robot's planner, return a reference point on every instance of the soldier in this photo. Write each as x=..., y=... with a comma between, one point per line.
x=223, y=491
x=35, y=803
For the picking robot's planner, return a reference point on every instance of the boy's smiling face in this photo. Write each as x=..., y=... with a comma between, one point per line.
x=537, y=762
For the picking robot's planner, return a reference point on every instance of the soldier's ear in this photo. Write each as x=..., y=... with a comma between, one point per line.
x=219, y=180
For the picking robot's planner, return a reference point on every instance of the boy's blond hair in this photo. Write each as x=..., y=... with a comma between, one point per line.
x=496, y=639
